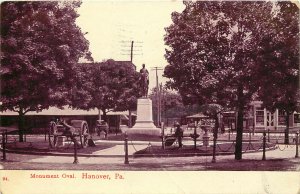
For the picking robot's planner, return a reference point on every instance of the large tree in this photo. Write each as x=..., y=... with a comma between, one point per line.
x=109, y=85
x=40, y=45
x=213, y=44
x=279, y=62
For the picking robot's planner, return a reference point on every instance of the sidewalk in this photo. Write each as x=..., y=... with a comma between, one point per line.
x=116, y=155
x=275, y=160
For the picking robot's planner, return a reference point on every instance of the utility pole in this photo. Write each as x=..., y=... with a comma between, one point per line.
x=161, y=104
x=298, y=92
x=134, y=49
x=126, y=49
x=131, y=51
x=157, y=95
x=129, y=111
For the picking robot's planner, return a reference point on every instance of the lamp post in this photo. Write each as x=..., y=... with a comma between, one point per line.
x=297, y=141
x=264, y=145
x=157, y=95
x=3, y=145
x=126, y=149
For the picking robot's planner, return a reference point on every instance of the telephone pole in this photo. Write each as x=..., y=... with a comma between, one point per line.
x=157, y=95
x=125, y=49
x=134, y=49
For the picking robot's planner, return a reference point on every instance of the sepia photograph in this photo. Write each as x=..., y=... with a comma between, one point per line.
x=159, y=96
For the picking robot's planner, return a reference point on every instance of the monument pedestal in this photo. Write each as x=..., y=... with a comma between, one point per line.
x=144, y=122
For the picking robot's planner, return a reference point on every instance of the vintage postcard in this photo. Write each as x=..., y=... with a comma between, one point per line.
x=159, y=96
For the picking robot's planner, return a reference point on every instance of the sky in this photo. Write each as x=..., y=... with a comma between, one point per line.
x=112, y=25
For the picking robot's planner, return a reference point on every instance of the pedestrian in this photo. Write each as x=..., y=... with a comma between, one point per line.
x=179, y=134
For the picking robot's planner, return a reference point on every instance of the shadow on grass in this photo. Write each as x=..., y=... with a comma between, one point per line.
x=134, y=137
x=42, y=147
x=189, y=150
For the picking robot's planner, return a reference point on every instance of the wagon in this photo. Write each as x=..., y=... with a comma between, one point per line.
x=78, y=128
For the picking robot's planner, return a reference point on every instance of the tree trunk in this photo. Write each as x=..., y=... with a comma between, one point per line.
x=21, y=126
x=286, y=132
x=104, y=115
x=99, y=114
x=215, y=134
x=130, y=118
x=239, y=127
x=217, y=125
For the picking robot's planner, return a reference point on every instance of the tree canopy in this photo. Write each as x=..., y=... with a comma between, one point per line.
x=40, y=46
x=217, y=46
x=107, y=85
x=279, y=62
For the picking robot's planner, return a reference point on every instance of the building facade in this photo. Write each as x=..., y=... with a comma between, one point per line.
x=273, y=121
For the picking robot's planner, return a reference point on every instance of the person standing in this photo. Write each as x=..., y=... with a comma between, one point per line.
x=179, y=134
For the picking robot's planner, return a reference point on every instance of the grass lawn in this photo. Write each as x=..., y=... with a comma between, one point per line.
x=202, y=163
x=134, y=137
x=43, y=147
x=189, y=150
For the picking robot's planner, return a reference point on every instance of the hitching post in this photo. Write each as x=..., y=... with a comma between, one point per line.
x=75, y=151
x=126, y=149
x=229, y=130
x=3, y=146
x=45, y=130
x=6, y=136
x=214, y=150
x=264, y=146
x=195, y=139
x=297, y=142
x=163, y=136
x=215, y=145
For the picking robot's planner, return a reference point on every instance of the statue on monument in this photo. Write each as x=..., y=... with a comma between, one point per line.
x=144, y=81
x=144, y=121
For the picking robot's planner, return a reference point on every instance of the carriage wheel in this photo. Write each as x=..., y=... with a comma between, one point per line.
x=52, y=135
x=84, y=133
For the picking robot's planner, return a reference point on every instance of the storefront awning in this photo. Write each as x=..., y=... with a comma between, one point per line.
x=197, y=116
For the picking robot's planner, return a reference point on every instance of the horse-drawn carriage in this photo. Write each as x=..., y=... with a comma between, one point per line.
x=78, y=128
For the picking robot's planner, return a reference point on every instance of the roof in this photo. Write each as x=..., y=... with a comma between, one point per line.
x=198, y=115
x=66, y=111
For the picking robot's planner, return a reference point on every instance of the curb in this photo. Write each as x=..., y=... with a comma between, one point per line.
x=60, y=154
x=133, y=155
x=198, y=154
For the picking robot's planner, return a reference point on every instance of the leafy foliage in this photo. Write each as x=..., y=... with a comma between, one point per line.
x=107, y=85
x=279, y=62
x=40, y=46
x=221, y=47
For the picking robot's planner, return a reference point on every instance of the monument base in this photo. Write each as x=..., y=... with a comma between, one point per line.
x=150, y=132
x=144, y=122
x=144, y=130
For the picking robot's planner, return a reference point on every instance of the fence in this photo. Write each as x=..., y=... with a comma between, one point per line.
x=223, y=146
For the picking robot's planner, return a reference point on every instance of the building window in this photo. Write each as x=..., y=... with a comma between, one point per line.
x=260, y=117
x=281, y=118
x=297, y=118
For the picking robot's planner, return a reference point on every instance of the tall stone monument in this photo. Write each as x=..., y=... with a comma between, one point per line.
x=144, y=122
